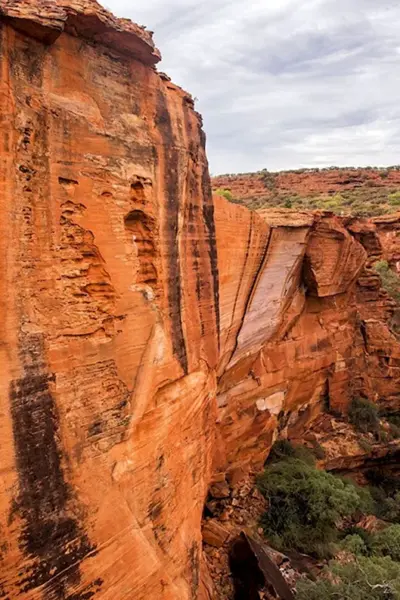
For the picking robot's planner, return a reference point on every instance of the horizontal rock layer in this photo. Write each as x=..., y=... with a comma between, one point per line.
x=305, y=182
x=155, y=339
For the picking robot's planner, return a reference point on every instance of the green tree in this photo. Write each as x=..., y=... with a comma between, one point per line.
x=304, y=506
x=376, y=578
x=387, y=542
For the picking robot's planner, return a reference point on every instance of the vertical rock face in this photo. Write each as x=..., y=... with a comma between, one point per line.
x=153, y=339
x=109, y=302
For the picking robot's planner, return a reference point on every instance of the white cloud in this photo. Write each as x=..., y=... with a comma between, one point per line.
x=284, y=84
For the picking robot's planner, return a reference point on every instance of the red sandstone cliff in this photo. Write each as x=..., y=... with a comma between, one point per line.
x=154, y=339
x=109, y=295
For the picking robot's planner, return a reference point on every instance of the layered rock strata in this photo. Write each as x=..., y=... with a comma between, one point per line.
x=155, y=339
x=307, y=182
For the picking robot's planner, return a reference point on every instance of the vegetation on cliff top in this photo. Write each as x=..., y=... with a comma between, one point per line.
x=367, y=197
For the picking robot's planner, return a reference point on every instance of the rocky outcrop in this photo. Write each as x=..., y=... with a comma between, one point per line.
x=155, y=339
x=328, y=333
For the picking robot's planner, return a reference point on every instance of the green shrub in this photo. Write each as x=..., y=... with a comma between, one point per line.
x=305, y=505
x=355, y=545
x=360, y=532
x=363, y=415
x=387, y=542
x=385, y=492
x=393, y=420
x=394, y=430
x=225, y=193
x=386, y=507
x=376, y=578
x=283, y=449
x=385, y=480
x=390, y=281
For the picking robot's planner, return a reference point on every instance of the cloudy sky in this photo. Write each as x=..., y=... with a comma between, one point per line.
x=284, y=83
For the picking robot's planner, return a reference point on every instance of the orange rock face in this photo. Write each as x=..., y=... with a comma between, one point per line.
x=154, y=339
x=317, y=327
x=109, y=303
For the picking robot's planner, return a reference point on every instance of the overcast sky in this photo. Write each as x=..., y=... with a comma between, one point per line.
x=282, y=83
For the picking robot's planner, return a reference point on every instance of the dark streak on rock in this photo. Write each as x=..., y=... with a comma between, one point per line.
x=208, y=214
x=200, y=215
x=51, y=535
x=163, y=122
x=196, y=255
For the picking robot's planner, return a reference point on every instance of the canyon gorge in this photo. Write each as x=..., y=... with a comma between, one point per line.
x=156, y=338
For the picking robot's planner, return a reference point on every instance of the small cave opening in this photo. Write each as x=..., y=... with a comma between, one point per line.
x=139, y=229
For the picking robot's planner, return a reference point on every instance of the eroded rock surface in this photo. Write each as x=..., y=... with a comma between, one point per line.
x=109, y=301
x=155, y=339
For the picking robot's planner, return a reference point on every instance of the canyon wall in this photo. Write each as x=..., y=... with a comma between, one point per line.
x=109, y=300
x=155, y=339
x=316, y=329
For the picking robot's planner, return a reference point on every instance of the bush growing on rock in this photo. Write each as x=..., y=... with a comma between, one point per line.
x=305, y=506
x=283, y=449
x=365, y=445
x=390, y=281
x=387, y=506
x=363, y=415
x=384, y=480
x=394, y=199
x=224, y=193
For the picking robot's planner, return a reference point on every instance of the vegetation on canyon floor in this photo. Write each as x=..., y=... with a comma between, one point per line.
x=376, y=578
x=304, y=504
x=315, y=512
